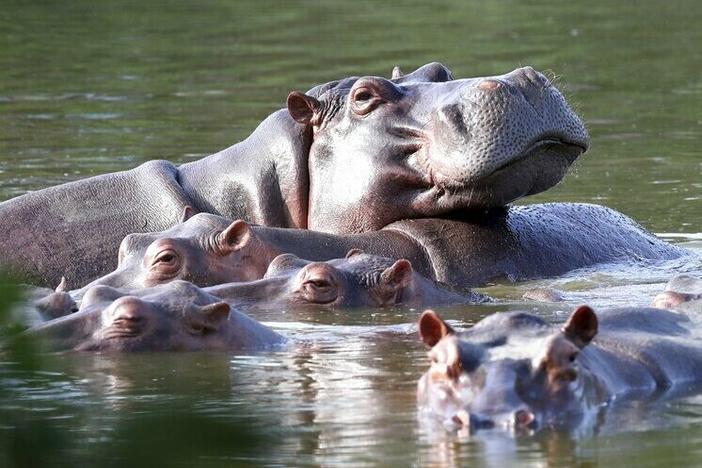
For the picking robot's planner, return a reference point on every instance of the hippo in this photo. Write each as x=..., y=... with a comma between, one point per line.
x=358, y=280
x=352, y=155
x=516, y=371
x=682, y=293
x=177, y=316
x=524, y=242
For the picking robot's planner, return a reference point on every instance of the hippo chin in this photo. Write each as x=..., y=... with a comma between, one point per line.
x=173, y=317
x=515, y=371
x=349, y=156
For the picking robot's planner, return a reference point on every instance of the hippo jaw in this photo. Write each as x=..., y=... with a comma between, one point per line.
x=494, y=140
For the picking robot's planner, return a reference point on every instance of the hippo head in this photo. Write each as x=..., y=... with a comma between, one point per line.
x=683, y=293
x=424, y=144
x=510, y=371
x=355, y=281
x=204, y=249
x=174, y=317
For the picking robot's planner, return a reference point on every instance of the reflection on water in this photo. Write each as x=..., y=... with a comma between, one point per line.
x=92, y=87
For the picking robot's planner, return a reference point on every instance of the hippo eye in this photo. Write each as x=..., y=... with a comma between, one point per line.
x=573, y=357
x=319, y=283
x=364, y=99
x=319, y=290
x=362, y=94
x=166, y=262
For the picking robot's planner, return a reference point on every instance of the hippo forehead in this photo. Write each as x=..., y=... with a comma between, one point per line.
x=430, y=73
x=363, y=269
x=510, y=335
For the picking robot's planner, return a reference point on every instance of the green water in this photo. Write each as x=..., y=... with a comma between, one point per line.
x=93, y=87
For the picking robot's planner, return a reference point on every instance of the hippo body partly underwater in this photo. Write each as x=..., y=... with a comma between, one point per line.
x=350, y=156
x=515, y=371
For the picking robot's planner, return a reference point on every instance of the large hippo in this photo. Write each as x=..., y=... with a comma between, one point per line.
x=349, y=156
x=523, y=242
x=177, y=316
x=516, y=371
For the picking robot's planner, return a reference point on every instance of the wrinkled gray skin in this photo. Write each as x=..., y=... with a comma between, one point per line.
x=351, y=156
x=359, y=280
x=515, y=371
x=519, y=243
x=682, y=293
x=177, y=316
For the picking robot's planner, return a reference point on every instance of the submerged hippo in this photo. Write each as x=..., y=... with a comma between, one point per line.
x=352, y=155
x=358, y=280
x=173, y=317
x=521, y=243
x=516, y=371
x=684, y=293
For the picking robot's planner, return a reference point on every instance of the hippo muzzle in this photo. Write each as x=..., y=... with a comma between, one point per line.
x=494, y=140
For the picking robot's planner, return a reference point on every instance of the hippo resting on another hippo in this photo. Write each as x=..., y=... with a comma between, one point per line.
x=180, y=316
x=516, y=371
x=358, y=280
x=350, y=156
x=522, y=243
x=174, y=317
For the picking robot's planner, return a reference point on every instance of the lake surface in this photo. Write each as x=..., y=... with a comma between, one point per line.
x=93, y=87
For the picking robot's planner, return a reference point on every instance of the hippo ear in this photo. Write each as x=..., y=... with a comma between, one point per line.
x=431, y=72
x=432, y=328
x=353, y=253
x=209, y=318
x=62, y=286
x=303, y=108
x=399, y=275
x=396, y=73
x=581, y=327
x=187, y=213
x=234, y=237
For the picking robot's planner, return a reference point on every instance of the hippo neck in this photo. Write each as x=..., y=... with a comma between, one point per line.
x=263, y=179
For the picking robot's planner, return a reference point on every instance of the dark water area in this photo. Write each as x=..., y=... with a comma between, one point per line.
x=94, y=87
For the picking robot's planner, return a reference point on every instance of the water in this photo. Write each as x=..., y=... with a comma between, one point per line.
x=93, y=87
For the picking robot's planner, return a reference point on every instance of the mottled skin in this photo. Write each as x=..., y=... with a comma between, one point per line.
x=350, y=156
x=683, y=293
x=515, y=371
x=173, y=317
x=358, y=280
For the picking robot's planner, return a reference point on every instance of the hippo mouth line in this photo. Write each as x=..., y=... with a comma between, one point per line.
x=574, y=149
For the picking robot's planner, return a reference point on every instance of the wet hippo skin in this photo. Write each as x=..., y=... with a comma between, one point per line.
x=177, y=316
x=349, y=156
x=515, y=371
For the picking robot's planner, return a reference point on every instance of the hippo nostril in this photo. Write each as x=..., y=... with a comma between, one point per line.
x=128, y=311
x=523, y=418
x=489, y=85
